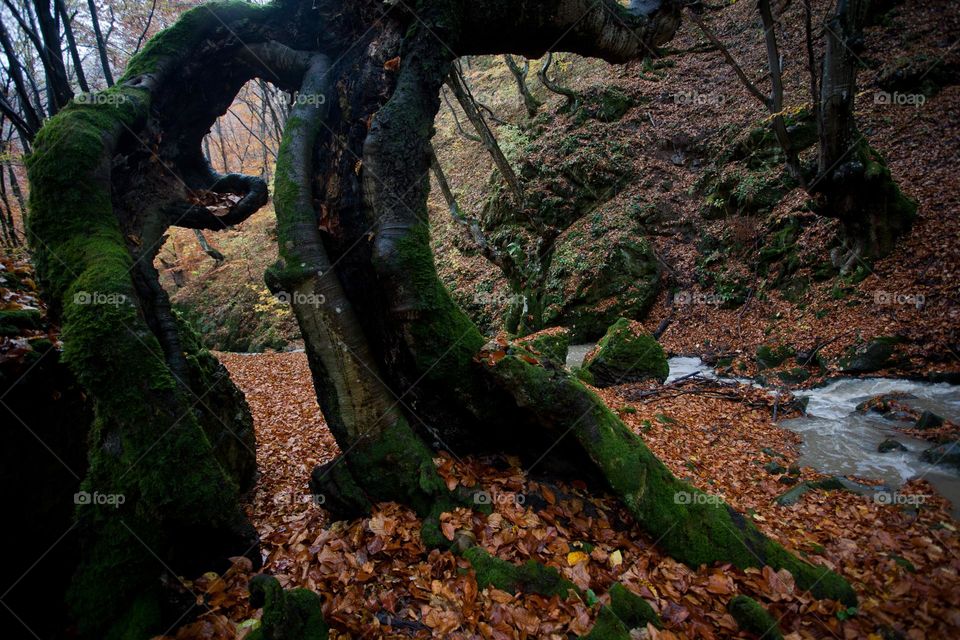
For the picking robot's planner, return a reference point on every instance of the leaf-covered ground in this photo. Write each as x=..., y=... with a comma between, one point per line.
x=377, y=580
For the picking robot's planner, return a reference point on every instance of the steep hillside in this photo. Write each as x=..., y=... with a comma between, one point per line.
x=699, y=229
x=744, y=262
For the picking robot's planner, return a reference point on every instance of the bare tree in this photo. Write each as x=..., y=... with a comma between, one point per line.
x=849, y=180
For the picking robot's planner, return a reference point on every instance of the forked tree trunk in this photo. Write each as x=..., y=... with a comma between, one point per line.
x=397, y=366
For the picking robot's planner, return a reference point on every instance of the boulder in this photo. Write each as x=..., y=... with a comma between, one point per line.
x=627, y=353
x=886, y=403
x=929, y=420
x=615, y=277
x=946, y=453
x=890, y=445
x=871, y=356
x=551, y=344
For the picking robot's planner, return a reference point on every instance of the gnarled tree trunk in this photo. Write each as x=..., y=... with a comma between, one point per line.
x=397, y=366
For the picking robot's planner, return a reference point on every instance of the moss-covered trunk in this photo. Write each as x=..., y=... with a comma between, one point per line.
x=396, y=364
x=853, y=183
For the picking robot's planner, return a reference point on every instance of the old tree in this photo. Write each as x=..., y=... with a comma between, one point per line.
x=110, y=174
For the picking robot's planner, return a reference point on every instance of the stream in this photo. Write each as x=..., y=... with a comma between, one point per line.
x=838, y=440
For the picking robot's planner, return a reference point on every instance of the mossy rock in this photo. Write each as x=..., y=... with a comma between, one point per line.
x=609, y=104
x=752, y=617
x=293, y=614
x=929, y=420
x=796, y=375
x=748, y=177
x=770, y=357
x=634, y=611
x=924, y=74
x=871, y=356
x=551, y=344
x=627, y=353
x=608, y=627
x=14, y=321
x=531, y=577
x=621, y=279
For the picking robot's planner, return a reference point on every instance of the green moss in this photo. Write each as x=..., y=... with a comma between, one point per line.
x=146, y=443
x=624, y=354
x=287, y=614
x=871, y=356
x=608, y=627
x=14, y=321
x=769, y=357
x=190, y=30
x=398, y=466
x=531, y=577
x=444, y=337
x=552, y=345
x=632, y=609
x=606, y=105
x=752, y=617
x=584, y=375
x=703, y=530
x=796, y=375
x=616, y=277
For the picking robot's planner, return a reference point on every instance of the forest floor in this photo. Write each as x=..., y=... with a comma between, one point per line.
x=378, y=581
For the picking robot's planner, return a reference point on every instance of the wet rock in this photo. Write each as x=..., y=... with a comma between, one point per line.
x=774, y=468
x=890, y=445
x=929, y=420
x=946, y=453
x=885, y=402
x=769, y=357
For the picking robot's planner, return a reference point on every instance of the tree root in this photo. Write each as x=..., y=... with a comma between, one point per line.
x=688, y=524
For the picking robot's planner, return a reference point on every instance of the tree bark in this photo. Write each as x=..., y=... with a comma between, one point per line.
x=102, y=43
x=853, y=183
x=520, y=75
x=469, y=105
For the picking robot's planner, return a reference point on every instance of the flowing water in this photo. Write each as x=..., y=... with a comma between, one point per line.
x=839, y=440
